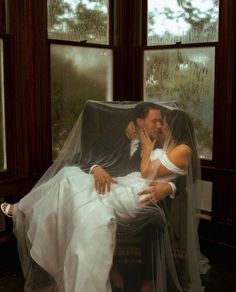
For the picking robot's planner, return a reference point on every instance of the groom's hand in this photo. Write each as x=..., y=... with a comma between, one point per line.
x=102, y=180
x=156, y=192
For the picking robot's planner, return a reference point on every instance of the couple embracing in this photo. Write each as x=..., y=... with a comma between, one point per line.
x=66, y=226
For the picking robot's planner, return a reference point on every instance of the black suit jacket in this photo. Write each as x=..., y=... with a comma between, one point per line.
x=111, y=152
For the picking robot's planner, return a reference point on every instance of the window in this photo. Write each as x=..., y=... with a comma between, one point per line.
x=186, y=76
x=179, y=60
x=78, y=20
x=80, y=47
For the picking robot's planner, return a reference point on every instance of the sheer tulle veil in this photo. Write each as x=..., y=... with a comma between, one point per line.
x=175, y=246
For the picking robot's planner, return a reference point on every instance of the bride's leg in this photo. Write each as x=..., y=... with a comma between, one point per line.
x=89, y=255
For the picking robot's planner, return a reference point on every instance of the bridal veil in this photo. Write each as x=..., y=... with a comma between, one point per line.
x=98, y=137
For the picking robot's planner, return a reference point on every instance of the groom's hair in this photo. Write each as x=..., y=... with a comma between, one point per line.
x=142, y=109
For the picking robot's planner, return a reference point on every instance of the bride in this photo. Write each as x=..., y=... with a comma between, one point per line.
x=66, y=230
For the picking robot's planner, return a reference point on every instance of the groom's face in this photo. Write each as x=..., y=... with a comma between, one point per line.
x=152, y=122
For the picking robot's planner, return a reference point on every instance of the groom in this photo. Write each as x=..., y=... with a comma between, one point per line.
x=118, y=152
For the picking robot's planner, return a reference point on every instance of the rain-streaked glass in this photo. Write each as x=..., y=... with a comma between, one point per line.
x=77, y=74
x=2, y=113
x=182, y=21
x=185, y=76
x=78, y=20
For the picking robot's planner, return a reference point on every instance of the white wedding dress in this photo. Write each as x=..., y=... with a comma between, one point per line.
x=72, y=230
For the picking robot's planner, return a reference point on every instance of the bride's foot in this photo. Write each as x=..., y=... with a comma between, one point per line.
x=116, y=279
x=7, y=209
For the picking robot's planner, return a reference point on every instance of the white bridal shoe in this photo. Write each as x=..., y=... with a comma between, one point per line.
x=5, y=207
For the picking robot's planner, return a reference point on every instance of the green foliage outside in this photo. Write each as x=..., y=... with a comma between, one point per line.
x=170, y=76
x=79, y=23
x=70, y=91
x=190, y=87
x=70, y=88
x=185, y=77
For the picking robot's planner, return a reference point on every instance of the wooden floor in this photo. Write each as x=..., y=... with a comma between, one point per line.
x=220, y=278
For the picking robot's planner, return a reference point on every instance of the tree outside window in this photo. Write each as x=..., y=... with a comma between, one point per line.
x=183, y=71
x=78, y=34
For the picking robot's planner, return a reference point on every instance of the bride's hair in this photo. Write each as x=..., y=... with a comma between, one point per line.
x=141, y=110
x=182, y=131
x=181, y=127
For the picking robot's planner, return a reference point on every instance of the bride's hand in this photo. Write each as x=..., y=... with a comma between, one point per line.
x=146, y=141
x=130, y=131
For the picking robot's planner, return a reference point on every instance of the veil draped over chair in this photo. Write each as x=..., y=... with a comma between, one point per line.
x=175, y=246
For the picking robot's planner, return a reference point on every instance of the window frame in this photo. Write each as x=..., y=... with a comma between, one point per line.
x=8, y=102
x=27, y=87
x=222, y=67
x=22, y=26
x=82, y=44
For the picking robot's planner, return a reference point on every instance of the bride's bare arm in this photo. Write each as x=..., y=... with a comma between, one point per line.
x=179, y=156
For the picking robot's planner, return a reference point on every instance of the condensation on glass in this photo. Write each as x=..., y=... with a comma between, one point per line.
x=185, y=76
x=78, y=20
x=77, y=74
x=3, y=160
x=185, y=21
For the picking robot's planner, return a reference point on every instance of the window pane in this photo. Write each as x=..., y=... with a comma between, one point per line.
x=2, y=113
x=186, y=21
x=77, y=74
x=187, y=77
x=78, y=20
x=205, y=192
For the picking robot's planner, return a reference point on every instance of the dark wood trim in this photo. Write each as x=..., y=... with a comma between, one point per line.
x=127, y=52
x=18, y=187
x=224, y=81
x=22, y=79
x=144, y=23
x=9, y=102
x=80, y=44
x=2, y=17
x=180, y=46
x=217, y=233
x=27, y=88
x=28, y=112
x=30, y=57
x=41, y=153
x=111, y=23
